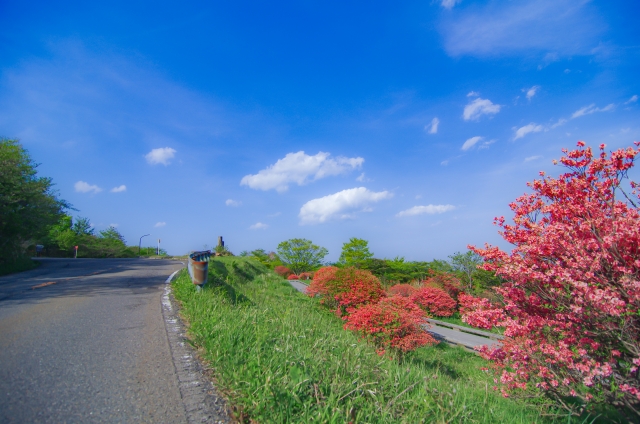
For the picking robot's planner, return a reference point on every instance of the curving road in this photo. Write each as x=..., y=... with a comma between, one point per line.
x=85, y=341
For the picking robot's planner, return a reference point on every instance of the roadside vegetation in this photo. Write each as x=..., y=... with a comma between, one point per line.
x=280, y=356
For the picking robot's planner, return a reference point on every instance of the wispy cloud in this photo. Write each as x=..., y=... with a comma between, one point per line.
x=362, y=178
x=432, y=128
x=530, y=128
x=340, y=205
x=258, y=226
x=428, y=209
x=448, y=4
x=475, y=109
x=473, y=94
x=633, y=99
x=562, y=27
x=560, y=122
x=588, y=110
x=471, y=142
x=84, y=187
x=160, y=224
x=486, y=144
x=300, y=168
x=530, y=158
x=531, y=91
x=161, y=155
x=231, y=202
x=119, y=189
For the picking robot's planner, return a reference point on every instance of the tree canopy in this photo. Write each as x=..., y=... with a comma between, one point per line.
x=301, y=255
x=28, y=203
x=355, y=253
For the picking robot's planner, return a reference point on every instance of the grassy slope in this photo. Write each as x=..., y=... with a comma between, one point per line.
x=283, y=358
x=22, y=264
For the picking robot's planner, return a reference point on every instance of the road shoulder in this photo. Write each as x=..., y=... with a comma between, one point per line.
x=202, y=401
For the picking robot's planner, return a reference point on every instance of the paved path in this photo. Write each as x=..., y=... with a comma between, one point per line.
x=466, y=340
x=85, y=341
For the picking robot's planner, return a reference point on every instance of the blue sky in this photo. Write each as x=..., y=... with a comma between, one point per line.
x=409, y=124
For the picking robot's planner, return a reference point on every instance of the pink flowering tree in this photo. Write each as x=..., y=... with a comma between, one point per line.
x=572, y=294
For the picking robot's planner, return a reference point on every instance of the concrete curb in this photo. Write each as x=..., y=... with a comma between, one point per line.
x=201, y=400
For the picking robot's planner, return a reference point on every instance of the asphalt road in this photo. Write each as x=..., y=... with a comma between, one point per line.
x=466, y=340
x=85, y=341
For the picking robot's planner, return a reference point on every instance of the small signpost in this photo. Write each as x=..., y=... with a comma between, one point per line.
x=76, y=254
x=158, y=250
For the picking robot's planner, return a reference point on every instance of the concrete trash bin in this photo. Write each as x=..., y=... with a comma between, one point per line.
x=199, y=267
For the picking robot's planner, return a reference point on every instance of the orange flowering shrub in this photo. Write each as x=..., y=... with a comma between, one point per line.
x=434, y=300
x=283, y=271
x=393, y=322
x=405, y=290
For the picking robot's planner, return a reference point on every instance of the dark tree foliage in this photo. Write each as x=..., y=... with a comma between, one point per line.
x=28, y=203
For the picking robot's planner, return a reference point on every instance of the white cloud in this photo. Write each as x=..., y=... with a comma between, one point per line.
x=531, y=91
x=84, y=187
x=588, y=110
x=471, y=142
x=114, y=225
x=429, y=209
x=231, y=202
x=160, y=224
x=337, y=206
x=473, y=94
x=432, y=128
x=530, y=128
x=633, y=99
x=561, y=27
x=300, y=168
x=273, y=215
x=479, y=107
x=258, y=226
x=119, y=189
x=560, y=122
x=566, y=71
x=444, y=162
x=486, y=144
x=363, y=178
x=162, y=155
x=448, y=4
x=530, y=158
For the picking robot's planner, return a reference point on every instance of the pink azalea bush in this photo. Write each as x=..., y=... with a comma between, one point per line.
x=572, y=294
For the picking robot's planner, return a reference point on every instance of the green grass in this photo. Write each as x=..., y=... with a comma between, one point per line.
x=280, y=357
x=22, y=264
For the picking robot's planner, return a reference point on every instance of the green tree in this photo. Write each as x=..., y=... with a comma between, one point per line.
x=82, y=227
x=355, y=253
x=301, y=255
x=62, y=235
x=466, y=264
x=112, y=233
x=28, y=203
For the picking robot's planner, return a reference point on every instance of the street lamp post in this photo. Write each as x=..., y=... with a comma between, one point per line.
x=140, y=244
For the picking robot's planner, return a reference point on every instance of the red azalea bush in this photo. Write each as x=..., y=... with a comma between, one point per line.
x=434, y=300
x=445, y=281
x=318, y=287
x=572, y=290
x=480, y=312
x=293, y=277
x=393, y=322
x=283, y=271
x=345, y=288
x=306, y=275
x=405, y=290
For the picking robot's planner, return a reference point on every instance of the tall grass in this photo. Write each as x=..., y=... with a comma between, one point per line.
x=280, y=357
x=21, y=264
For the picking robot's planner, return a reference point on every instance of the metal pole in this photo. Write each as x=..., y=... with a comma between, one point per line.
x=158, y=249
x=140, y=244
